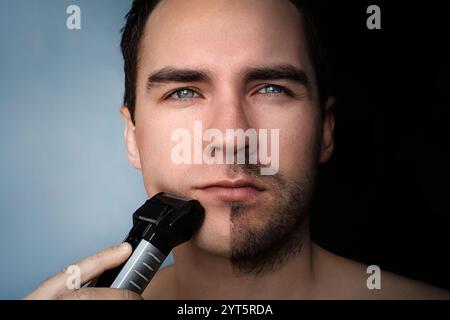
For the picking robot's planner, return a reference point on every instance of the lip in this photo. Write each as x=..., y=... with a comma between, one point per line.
x=233, y=190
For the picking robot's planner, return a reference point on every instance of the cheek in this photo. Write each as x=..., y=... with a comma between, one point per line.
x=155, y=145
x=298, y=138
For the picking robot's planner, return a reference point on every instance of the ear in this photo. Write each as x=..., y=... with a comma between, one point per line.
x=327, y=131
x=129, y=135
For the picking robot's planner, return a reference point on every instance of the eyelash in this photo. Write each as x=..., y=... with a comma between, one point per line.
x=284, y=91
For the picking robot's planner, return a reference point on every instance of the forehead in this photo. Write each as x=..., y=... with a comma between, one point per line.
x=223, y=34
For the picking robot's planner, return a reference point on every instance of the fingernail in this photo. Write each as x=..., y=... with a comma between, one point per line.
x=124, y=245
x=121, y=246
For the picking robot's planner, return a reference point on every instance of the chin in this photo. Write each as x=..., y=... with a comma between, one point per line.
x=214, y=235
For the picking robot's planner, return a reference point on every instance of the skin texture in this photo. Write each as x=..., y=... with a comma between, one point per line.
x=225, y=37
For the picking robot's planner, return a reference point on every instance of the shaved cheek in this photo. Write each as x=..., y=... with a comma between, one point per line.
x=154, y=153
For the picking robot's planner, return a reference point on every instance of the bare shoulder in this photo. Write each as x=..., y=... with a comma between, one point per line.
x=342, y=278
x=162, y=286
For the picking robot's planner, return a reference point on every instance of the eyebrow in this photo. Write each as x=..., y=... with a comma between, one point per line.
x=278, y=72
x=171, y=74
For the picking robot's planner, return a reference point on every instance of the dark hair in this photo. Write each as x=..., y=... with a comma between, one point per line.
x=133, y=31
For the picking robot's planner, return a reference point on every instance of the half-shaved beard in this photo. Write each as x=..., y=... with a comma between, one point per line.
x=263, y=244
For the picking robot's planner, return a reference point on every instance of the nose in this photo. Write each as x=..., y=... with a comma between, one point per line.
x=228, y=114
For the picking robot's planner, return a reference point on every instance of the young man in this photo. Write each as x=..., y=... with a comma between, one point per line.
x=232, y=64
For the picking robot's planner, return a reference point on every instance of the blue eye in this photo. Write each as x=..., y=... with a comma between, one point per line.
x=183, y=94
x=187, y=94
x=272, y=89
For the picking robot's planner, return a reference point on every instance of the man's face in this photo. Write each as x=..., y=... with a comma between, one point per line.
x=226, y=38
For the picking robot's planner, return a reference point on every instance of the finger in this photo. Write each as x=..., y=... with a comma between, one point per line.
x=86, y=270
x=102, y=294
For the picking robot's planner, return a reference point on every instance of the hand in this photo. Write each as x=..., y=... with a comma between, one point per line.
x=59, y=286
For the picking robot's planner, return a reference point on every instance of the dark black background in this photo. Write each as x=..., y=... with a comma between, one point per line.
x=383, y=197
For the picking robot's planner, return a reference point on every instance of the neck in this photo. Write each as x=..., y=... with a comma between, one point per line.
x=202, y=275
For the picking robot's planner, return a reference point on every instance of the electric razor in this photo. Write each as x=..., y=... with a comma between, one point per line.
x=162, y=223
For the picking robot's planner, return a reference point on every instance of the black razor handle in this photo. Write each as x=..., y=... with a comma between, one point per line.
x=162, y=223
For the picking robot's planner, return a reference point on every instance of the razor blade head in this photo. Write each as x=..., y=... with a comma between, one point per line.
x=167, y=220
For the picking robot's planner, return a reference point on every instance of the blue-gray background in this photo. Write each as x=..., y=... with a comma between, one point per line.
x=66, y=187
